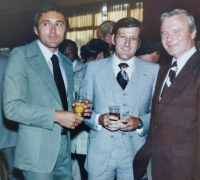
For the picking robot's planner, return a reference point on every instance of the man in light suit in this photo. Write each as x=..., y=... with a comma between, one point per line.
x=8, y=129
x=113, y=144
x=34, y=98
x=173, y=140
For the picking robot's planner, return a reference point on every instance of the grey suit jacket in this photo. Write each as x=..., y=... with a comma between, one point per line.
x=8, y=129
x=103, y=90
x=31, y=98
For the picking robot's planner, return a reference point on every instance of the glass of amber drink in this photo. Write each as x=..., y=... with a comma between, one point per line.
x=80, y=98
x=114, y=111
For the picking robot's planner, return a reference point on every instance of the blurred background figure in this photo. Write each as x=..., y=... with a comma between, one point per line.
x=104, y=32
x=96, y=49
x=197, y=44
x=70, y=50
x=80, y=134
x=82, y=53
x=150, y=47
x=8, y=135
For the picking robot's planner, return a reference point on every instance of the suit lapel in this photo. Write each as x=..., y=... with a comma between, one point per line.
x=161, y=77
x=78, y=66
x=179, y=83
x=137, y=83
x=107, y=78
x=39, y=64
x=67, y=66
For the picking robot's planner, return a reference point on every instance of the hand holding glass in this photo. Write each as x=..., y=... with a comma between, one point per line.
x=114, y=111
x=80, y=98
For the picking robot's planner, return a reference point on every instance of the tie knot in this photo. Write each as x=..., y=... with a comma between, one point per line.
x=174, y=66
x=54, y=59
x=123, y=66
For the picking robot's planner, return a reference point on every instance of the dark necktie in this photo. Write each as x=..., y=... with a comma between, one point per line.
x=59, y=81
x=171, y=77
x=122, y=76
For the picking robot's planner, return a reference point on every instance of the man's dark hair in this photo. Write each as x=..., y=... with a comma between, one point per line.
x=150, y=43
x=96, y=46
x=49, y=8
x=126, y=23
x=67, y=42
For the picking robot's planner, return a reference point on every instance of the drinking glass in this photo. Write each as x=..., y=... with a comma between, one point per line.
x=114, y=111
x=80, y=98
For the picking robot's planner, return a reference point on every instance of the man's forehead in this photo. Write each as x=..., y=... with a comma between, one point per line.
x=53, y=15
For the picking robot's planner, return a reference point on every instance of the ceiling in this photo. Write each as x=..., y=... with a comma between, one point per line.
x=13, y=6
x=16, y=19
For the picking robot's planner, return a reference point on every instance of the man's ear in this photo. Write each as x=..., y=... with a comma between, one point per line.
x=139, y=44
x=113, y=39
x=35, y=30
x=193, y=34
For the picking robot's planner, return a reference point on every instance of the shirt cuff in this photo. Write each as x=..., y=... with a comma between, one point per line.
x=139, y=131
x=97, y=126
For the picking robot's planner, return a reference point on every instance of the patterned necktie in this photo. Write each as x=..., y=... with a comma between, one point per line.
x=171, y=77
x=59, y=81
x=122, y=76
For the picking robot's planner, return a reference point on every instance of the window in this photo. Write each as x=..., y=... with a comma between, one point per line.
x=84, y=19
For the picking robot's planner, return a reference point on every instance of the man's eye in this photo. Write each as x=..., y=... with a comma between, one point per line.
x=46, y=24
x=59, y=24
x=177, y=31
x=164, y=34
x=134, y=39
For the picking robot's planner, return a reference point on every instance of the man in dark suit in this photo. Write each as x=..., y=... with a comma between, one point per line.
x=173, y=140
x=38, y=90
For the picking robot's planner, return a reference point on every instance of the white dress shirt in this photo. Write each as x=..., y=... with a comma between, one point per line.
x=47, y=55
x=74, y=64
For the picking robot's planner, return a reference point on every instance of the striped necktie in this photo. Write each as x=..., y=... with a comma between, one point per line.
x=171, y=77
x=122, y=76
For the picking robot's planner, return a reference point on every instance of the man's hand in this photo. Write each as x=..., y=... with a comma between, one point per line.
x=87, y=108
x=67, y=119
x=111, y=125
x=129, y=123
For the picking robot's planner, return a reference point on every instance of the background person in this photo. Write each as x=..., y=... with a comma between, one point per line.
x=79, y=136
x=8, y=131
x=104, y=32
x=96, y=49
x=150, y=47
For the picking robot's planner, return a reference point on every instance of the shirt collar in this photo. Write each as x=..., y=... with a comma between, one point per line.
x=46, y=52
x=74, y=63
x=117, y=61
x=184, y=58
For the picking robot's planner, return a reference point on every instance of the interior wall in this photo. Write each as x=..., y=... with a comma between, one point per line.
x=154, y=8
x=17, y=28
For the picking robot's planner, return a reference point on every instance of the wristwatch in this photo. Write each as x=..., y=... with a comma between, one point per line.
x=140, y=124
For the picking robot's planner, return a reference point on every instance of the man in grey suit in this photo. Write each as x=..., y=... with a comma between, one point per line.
x=38, y=91
x=113, y=144
x=8, y=129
